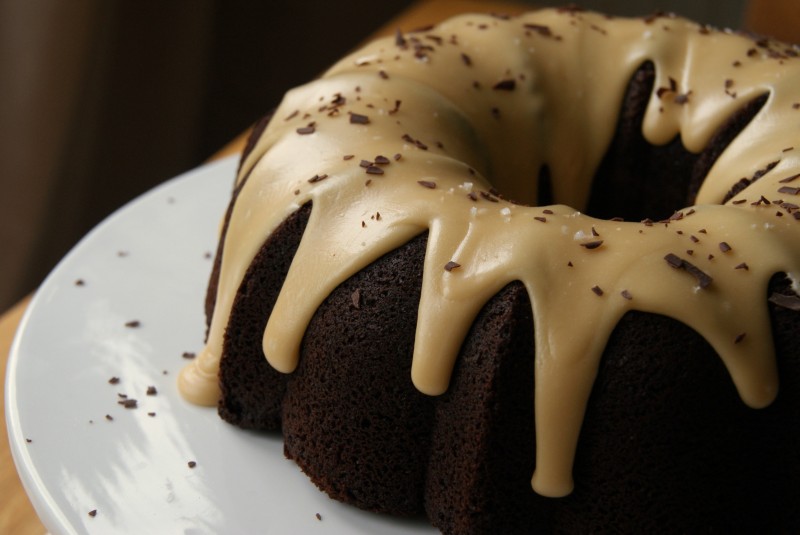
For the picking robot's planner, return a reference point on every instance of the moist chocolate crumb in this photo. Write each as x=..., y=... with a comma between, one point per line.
x=450, y=266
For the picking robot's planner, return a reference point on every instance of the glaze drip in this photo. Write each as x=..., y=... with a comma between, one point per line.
x=422, y=128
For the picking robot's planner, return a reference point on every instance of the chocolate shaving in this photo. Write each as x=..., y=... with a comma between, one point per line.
x=788, y=178
x=703, y=279
x=792, y=302
x=450, y=266
x=374, y=170
x=790, y=190
x=626, y=294
x=357, y=118
x=304, y=130
x=724, y=247
x=382, y=160
x=128, y=403
x=317, y=178
x=505, y=85
x=592, y=244
x=427, y=184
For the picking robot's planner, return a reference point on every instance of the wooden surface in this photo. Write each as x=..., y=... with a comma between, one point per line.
x=17, y=516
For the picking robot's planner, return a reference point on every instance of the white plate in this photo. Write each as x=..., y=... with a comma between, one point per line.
x=149, y=262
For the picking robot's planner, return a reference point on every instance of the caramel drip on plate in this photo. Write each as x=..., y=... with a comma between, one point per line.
x=434, y=120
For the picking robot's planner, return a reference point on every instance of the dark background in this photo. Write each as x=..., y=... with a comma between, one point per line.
x=162, y=85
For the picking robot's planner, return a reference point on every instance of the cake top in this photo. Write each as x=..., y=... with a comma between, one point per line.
x=419, y=132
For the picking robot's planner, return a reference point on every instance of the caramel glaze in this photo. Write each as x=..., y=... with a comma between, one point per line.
x=416, y=133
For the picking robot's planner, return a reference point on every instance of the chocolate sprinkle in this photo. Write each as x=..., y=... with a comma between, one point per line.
x=374, y=170
x=427, y=184
x=304, y=130
x=133, y=324
x=703, y=279
x=188, y=355
x=450, y=266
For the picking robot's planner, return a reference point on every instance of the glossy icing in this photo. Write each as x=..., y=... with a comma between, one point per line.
x=483, y=102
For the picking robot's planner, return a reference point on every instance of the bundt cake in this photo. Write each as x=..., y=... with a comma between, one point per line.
x=489, y=258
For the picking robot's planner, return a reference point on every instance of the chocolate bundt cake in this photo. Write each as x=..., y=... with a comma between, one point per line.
x=526, y=274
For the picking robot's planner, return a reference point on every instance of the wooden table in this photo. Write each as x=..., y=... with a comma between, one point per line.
x=16, y=513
